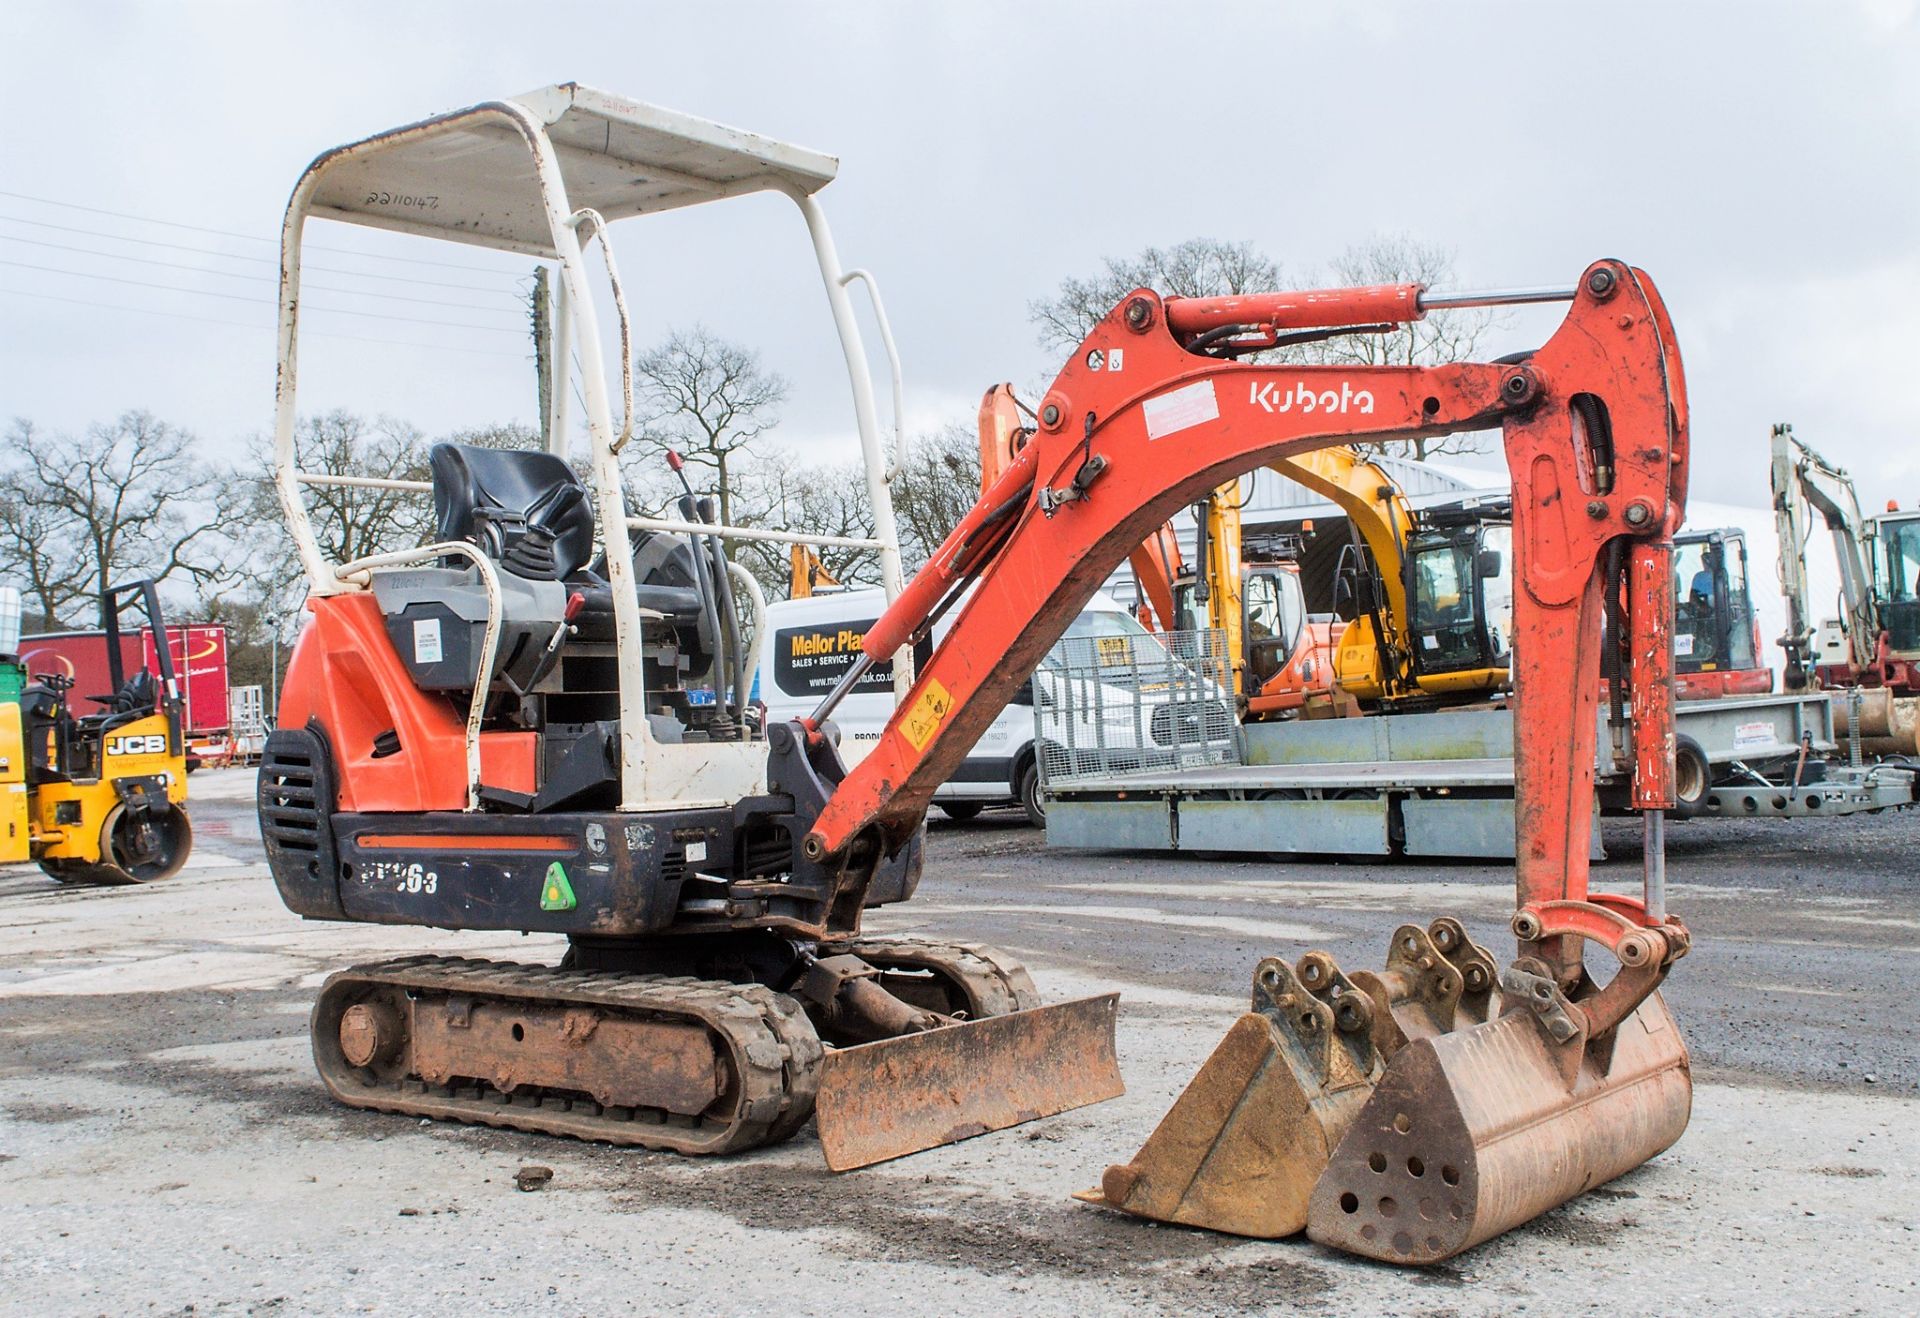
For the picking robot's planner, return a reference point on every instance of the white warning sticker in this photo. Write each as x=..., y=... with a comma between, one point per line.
x=1181, y=409
x=1752, y=736
x=426, y=641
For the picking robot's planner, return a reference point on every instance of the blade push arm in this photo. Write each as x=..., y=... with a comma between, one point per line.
x=1138, y=425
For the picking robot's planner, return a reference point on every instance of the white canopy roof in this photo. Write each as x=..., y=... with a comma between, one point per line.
x=468, y=176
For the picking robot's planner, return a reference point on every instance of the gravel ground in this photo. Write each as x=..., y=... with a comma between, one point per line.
x=165, y=1146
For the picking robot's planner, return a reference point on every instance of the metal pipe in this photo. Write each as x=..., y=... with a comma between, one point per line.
x=865, y=277
x=1495, y=297
x=757, y=606
x=855, y=671
x=748, y=533
x=709, y=593
x=1654, y=870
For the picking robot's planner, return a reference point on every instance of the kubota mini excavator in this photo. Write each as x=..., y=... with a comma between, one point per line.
x=497, y=730
x=712, y=887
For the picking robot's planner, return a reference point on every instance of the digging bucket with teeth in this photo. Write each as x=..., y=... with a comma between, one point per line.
x=1244, y=1146
x=1474, y=1131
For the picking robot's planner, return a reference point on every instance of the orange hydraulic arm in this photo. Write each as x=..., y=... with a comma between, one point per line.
x=1595, y=430
x=1156, y=561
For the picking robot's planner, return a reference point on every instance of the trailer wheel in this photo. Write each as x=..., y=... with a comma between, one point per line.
x=1030, y=799
x=961, y=811
x=1692, y=779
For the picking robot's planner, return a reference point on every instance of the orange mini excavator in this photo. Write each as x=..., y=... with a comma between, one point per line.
x=499, y=730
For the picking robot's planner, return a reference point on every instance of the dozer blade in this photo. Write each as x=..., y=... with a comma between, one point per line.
x=1476, y=1131
x=1243, y=1146
x=918, y=1091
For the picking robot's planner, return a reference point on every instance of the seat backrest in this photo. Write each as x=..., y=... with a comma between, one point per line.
x=527, y=509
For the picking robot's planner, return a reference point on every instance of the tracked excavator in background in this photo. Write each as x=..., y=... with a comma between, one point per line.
x=487, y=732
x=1280, y=660
x=1871, y=654
x=1279, y=670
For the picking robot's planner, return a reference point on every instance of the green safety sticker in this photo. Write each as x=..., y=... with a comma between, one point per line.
x=556, y=894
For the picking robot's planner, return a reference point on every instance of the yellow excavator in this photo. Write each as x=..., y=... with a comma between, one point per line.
x=1402, y=582
x=809, y=574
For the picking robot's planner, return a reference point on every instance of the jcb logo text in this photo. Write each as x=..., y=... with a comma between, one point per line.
x=152, y=744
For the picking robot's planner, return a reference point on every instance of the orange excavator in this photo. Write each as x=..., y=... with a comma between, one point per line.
x=492, y=731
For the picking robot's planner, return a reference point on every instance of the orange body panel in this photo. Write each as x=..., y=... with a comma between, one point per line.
x=346, y=676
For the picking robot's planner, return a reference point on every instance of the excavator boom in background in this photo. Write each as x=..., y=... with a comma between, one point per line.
x=1488, y=1096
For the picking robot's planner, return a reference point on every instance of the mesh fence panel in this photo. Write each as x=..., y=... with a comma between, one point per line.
x=1135, y=702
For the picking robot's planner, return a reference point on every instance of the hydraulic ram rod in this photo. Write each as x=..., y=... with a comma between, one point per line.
x=1325, y=308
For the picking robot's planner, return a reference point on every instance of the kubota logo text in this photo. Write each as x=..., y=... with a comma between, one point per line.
x=1344, y=399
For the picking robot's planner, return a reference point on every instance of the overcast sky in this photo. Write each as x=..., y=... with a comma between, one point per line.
x=1761, y=161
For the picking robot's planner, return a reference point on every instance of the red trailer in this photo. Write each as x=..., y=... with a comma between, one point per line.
x=199, y=658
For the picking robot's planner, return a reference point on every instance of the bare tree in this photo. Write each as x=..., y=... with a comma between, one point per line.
x=128, y=499
x=33, y=549
x=1198, y=267
x=781, y=493
x=708, y=398
x=349, y=521
x=1439, y=338
x=938, y=484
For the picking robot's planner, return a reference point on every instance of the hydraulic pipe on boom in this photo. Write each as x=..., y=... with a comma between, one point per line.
x=1595, y=429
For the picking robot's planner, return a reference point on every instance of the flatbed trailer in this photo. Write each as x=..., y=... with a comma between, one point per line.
x=1441, y=783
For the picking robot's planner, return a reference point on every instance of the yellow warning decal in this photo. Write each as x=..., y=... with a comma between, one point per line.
x=924, y=719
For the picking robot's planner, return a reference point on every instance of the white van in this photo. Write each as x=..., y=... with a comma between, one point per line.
x=810, y=643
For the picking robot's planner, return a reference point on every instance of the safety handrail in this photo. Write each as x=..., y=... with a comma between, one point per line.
x=750, y=533
x=489, y=641
x=587, y=215
x=872, y=285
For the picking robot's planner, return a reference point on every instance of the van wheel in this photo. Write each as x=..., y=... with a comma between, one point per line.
x=1030, y=799
x=961, y=811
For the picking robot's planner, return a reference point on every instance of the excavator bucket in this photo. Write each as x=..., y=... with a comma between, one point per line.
x=1473, y=1132
x=1245, y=1145
x=918, y=1091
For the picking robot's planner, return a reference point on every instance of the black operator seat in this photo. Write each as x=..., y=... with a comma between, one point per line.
x=531, y=513
x=526, y=508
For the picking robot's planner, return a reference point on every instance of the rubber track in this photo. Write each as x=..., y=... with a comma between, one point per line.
x=774, y=1054
x=994, y=979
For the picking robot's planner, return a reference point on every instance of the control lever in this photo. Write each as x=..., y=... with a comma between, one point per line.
x=575, y=602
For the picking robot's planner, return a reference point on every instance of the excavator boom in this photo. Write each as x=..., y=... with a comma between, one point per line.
x=1116, y=453
x=1517, y=1096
